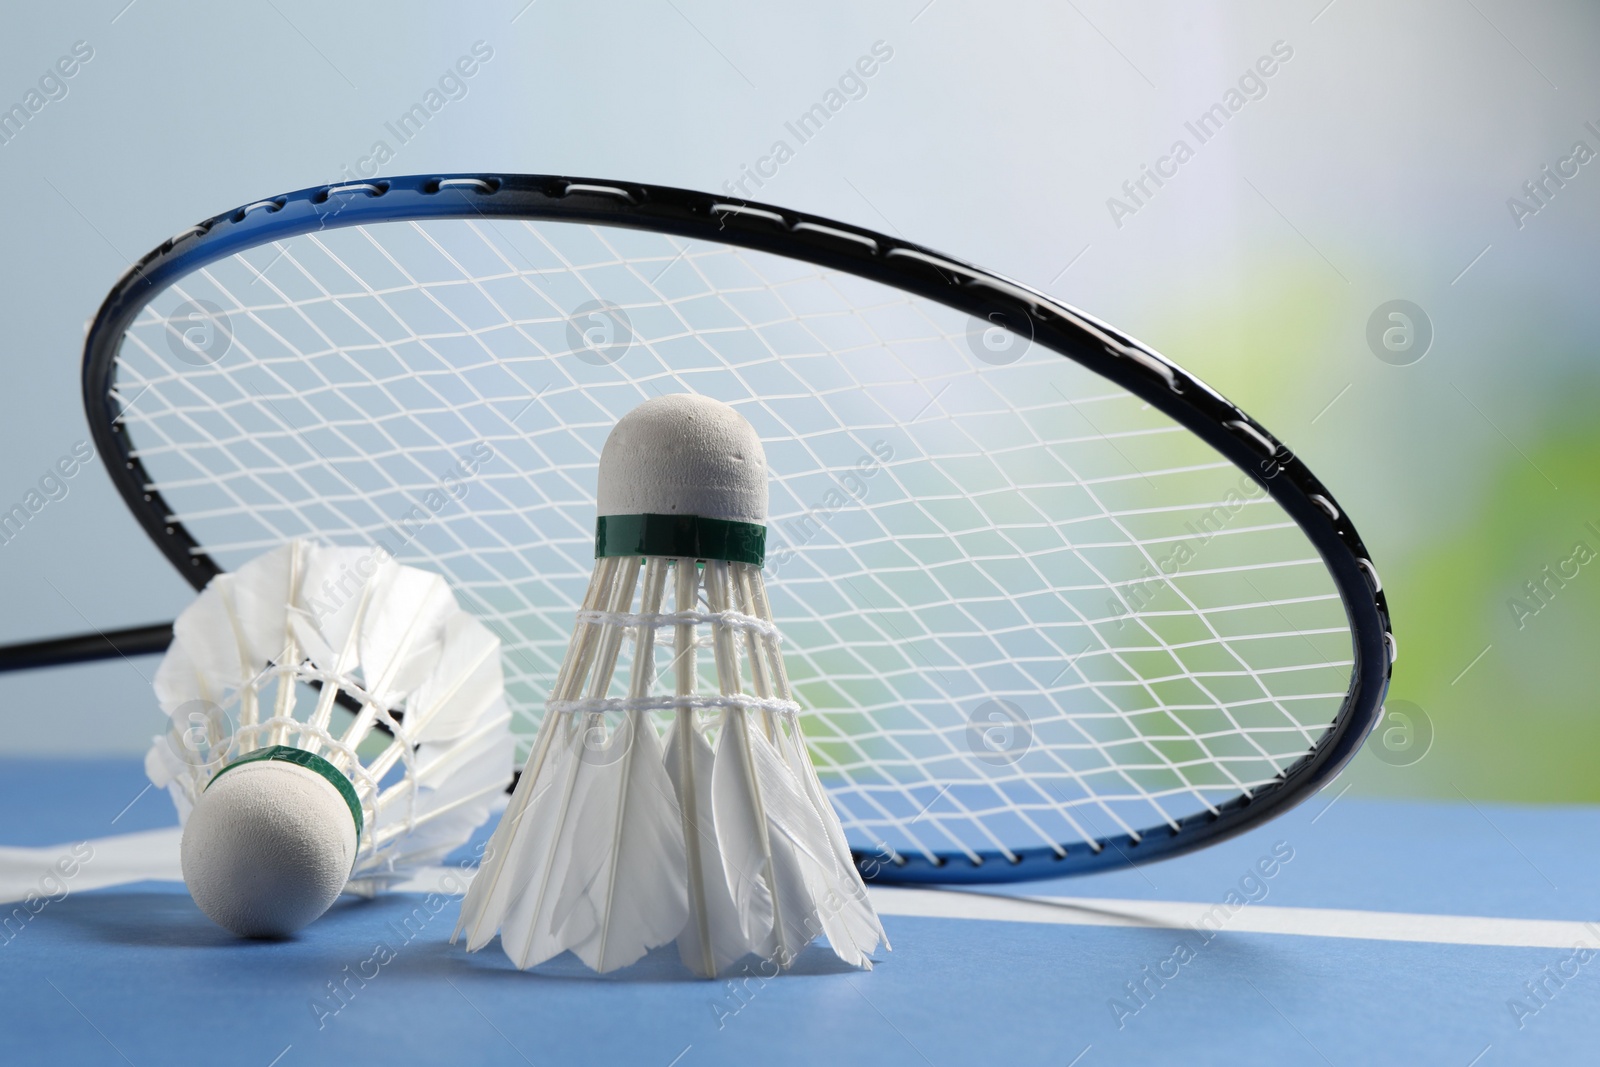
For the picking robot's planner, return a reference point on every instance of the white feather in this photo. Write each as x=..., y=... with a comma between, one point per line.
x=622, y=885
x=466, y=681
x=714, y=939
x=771, y=842
x=515, y=847
x=587, y=860
x=538, y=855
x=333, y=595
x=462, y=786
x=402, y=633
x=260, y=589
x=849, y=920
x=207, y=665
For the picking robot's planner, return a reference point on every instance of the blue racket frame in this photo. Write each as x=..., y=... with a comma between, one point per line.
x=839, y=246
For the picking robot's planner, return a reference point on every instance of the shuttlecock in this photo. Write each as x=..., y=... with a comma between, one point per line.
x=336, y=722
x=719, y=835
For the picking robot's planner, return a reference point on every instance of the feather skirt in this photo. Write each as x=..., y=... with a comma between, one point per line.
x=713, y=831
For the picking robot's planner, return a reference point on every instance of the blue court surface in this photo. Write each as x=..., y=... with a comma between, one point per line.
x=1348, y=932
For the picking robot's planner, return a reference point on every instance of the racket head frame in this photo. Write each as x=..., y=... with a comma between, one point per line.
x=867, y=254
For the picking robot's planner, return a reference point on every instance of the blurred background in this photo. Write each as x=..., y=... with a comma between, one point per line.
x=1379, y=236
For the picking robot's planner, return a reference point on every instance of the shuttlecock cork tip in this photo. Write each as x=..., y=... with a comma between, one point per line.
x=271, y=843
x=684, y=455
x=683, y=476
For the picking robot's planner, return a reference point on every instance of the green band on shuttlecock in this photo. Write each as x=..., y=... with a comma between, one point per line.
x=680, y=537
x=311, y=762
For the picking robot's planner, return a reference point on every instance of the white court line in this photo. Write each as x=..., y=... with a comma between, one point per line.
x=50, y=871
x=1251, y=918
x=1181, y=915
x=153, y=855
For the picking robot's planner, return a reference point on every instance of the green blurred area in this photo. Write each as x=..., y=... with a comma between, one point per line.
x=1474, y=478
x=1518, y=723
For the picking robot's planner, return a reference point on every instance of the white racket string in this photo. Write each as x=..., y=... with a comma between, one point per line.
x=1020, y=607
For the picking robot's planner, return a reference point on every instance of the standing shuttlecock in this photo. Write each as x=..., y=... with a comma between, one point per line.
x=719, y=836
x=336, y=721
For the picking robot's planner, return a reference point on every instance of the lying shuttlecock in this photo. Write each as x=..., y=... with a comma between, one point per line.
x=721, y=837
x=336, y=721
